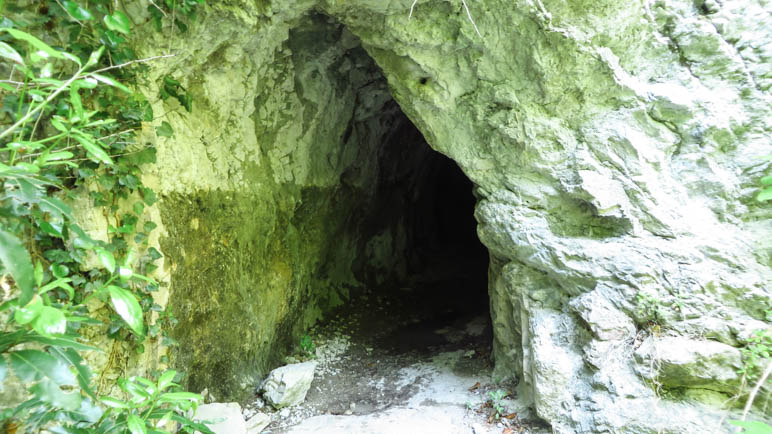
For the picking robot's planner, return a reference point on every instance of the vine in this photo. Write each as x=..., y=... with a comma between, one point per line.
x=68, y=125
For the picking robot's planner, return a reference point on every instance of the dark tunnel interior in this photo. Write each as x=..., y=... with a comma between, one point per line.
x=418, y=259
x=436, y=271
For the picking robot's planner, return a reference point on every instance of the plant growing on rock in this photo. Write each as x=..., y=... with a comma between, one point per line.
x=495, y=398
x=650, y=308
x=307, y=345
x=66, y=124
x=756, y=353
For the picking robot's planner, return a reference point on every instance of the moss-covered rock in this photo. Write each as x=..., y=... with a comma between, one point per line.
x=615, y=147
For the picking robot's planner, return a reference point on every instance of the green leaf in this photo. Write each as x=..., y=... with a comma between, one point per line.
x=94, y=150
x=16, y=260
x=106, y=258
x=27, y=167
x=76, y=11
x=127, y=307
x=93, y=59
x=64, y=341
x=767, y=180
x=136, y=425
x=48, y=391
x=3, y=371
x=63, y=283
x=114, y=403
x=51, y=321
x=26, y=314
x=9, y=53
x=166, y=379
x=179, y=396
x=35, y=42
x=752, y=426
x=82, y=372
x=55, y=207
x=38, y=273
x=165, y=130
x=165, y=419
x=145, y=278
x=137, y=392
x=111, y=82
x=77, y=103
x=125, y=273
x=60, y=271
x=764, y=195
x=34, y=365
x=81, y=239
x=148, y=196
x=117, y=22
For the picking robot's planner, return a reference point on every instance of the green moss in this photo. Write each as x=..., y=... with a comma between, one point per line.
x=250, y=272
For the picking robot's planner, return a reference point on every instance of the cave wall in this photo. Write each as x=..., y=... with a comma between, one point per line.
x=262, y=187
x=615, y=146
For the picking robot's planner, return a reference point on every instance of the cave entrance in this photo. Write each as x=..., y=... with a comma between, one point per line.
x=419, y=265
x=424, y=266
x=401, y=275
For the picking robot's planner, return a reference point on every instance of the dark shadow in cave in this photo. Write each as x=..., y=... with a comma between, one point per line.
x=424, y=268
x=419, y=263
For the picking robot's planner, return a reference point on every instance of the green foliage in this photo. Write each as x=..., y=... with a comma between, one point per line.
x=173, y=88
x=179, y=12
x=756, y=352
x=307, y=345
x=66, y=124
x=150, y=406
x=650, y=308
x=495, y=397
x=766, y=189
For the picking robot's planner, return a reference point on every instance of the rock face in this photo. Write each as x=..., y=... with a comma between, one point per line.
x=682, y=363
x=288, y=385
x=615, y=147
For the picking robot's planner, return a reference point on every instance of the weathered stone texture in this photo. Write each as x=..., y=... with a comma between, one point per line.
x=615, y=145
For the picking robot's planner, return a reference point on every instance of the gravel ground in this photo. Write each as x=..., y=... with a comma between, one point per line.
x=388, y=366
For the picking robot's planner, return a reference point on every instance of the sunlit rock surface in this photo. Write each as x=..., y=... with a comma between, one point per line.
x=616, y=148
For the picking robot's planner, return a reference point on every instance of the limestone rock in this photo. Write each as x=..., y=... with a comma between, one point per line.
x=615, y=147
x=289, y=384
x=676, y=361
x=257, y=423
x=604, y=319
x=226, y=417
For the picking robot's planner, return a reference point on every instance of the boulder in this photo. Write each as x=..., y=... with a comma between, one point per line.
x=288, y=385
x=226, y=417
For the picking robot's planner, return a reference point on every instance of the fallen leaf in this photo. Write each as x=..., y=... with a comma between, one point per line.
x=476, y=386
x=508, y=431
x=511, y=415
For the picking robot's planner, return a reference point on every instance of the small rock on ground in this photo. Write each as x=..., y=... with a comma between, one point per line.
x=227, y=417
x=288, y=385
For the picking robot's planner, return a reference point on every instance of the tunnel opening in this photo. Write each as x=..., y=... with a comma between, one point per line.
x=419, y=266
x=422, y=303
x=422, y=215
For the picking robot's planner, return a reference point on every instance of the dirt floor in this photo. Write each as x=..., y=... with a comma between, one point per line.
x=400, y=365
